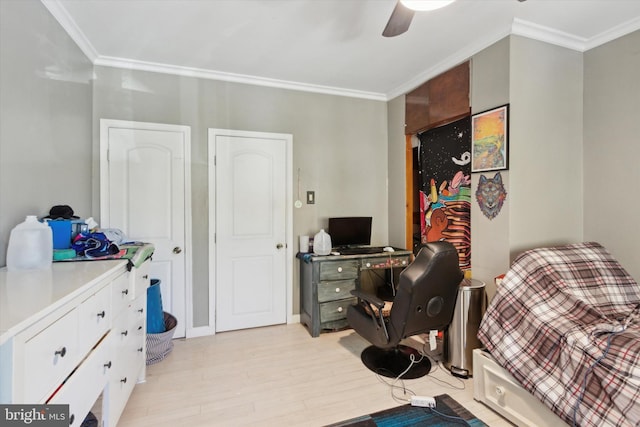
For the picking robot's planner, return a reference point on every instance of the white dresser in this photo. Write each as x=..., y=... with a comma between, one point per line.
x=74, y=334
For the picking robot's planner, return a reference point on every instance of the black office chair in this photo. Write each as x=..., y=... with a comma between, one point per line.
x=424, y=301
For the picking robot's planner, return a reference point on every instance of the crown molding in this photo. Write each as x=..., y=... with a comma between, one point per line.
x=108, y=61
x=525, y=29
x=518, y=27
x=69, y=25
x=455, y=59
x=614, y=33
x=547, y=35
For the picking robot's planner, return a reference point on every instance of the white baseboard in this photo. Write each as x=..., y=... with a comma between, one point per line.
x=204, y=331
x=200, y=331
x=295, y=318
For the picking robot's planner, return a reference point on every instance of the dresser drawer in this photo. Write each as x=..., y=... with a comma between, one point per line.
x=50, y=356
x=125, y=369
x=85, y=385
x=95, y=318
x=138, y=320
x=140, y=277
x=335, y=290
x=338, y=270
x=121, y=293
x=335, y=310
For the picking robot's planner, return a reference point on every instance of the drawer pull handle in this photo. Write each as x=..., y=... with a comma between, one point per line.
x=141, y=310
x=146, y=276
x=125, y=333
x=404, y=262
x=339, y=269
x=140, y=349
x=368, y=264
x=125, y=292
x=101, y=314
x=124, y=380
x=339, y=309
x=108, y=365
x=500, y=391
x=337, y=290
x=72, y=418
x=139, y=327
x=61, y=352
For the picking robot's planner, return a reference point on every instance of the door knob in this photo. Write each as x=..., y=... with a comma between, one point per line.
x=279, y=246
x=177, y=250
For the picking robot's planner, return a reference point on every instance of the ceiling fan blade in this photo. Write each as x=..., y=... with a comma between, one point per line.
x=399, y=21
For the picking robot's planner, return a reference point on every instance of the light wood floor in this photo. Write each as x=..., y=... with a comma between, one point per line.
x=276, y=376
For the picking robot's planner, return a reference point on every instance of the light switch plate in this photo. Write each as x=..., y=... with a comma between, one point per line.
x=311, y=197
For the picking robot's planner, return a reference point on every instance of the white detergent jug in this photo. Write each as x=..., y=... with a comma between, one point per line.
x=322, y=243
x=30, y=246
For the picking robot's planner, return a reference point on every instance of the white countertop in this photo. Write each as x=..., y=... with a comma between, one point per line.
x=27, y=296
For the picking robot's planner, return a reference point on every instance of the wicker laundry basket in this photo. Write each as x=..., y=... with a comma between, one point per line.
x=160, y=345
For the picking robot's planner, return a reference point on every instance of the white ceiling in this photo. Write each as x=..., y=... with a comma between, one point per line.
x=328, y=46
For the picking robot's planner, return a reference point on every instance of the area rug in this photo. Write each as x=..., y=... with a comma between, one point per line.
x=447, y=412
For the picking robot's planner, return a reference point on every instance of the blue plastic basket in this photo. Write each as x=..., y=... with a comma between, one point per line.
x=155, y=314
x=61, y=233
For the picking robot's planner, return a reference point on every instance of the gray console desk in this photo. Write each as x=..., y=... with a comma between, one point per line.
x=326, y=283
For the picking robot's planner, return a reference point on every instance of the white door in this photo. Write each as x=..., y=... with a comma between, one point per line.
x=250, y=228
x=145, y=192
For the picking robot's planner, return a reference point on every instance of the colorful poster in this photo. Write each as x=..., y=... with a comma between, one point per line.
x=490, y=140
x=445, y=182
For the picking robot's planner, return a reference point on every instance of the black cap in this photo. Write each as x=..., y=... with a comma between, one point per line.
x=61, y=212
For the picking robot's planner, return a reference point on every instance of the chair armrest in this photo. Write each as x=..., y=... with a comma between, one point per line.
x=369, y=301
x=370, y=298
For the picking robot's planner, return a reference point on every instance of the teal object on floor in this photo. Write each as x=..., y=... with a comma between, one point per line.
x=155, y=315
x=447, y=413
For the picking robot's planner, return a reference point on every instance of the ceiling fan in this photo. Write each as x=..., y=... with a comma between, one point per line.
x=404, y=10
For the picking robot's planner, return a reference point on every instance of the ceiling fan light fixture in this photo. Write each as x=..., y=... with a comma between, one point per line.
x=425, y=5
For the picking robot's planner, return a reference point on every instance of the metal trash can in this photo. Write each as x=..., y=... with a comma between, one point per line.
x=461, y=337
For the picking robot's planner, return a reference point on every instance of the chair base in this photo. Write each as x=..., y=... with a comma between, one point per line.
x=393, y=362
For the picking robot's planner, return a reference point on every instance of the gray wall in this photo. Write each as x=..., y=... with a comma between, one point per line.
x=339, y=145
x=573, y=146
x=545, y=173
x=611, y=148
x=350, y=151
x=45, y=117
x=397, y=178
x=490, y=237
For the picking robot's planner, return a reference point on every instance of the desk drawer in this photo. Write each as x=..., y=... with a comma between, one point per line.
x=335, y=290
x=385, y=262
x=335, y=310
x=50, y=356
x=338, y=270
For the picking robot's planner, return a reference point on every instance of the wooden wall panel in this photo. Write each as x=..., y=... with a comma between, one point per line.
x=416, y=109
x=449, y=96
x=441, y=100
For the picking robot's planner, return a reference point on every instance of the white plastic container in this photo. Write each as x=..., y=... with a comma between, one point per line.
x=304, y=244
x=30, y=246
x=322, y=243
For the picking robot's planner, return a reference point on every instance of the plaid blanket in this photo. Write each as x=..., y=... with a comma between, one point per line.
x=566, y=324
